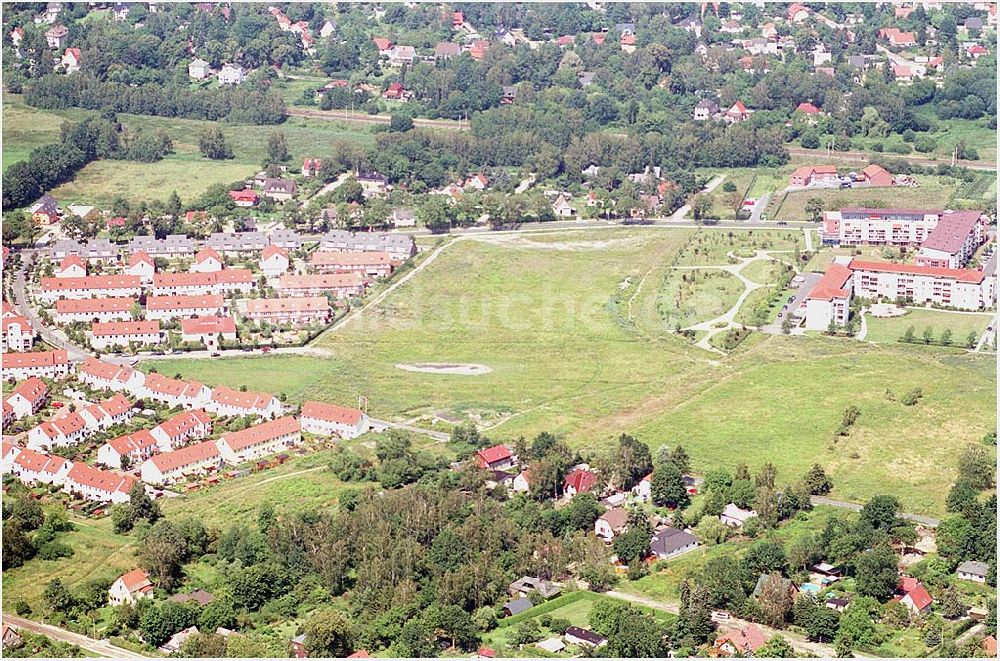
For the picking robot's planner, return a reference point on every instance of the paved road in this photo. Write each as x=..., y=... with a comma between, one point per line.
x=797, y=641
x=709, y=187
x=809, y=280
x=758, y=208
x=987, y=334
x=103, y=648
x=53, y=337
x=928, y=521
x=436, y=435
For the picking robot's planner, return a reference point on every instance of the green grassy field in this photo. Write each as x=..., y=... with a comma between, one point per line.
x=933, y=193
x=712, y=246
x=550, y=316
x=185, y=170
x=690, y=296
x=890, y=329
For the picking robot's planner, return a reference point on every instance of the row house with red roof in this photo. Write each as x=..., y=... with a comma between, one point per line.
x=31, y=467
x=95, y=484
x=274, y=261
x=184, y=427
x=377, y=264
x=325, y=419
x=16, y=332
x=175, y=392
x=226, y=401
x=7, y=456
x=137, y=447
x=297, y=311
x=207, y=260
x=85, y=310
x=104, y=335
x=342, y=285
x=165, y=308
x=26, y=399
x=175, y=465
x=101, y=375
x=220, y=282
x=69, y=429
x=49, y=364
x=142, y=266
x=208, y=330
x=260, y=440
x=71, y=266
x=830, y=299
x=91, y=286
x=245, y=198
x=107, y=412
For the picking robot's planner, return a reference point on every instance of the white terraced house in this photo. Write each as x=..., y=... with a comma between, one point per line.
x=167, y=467
x=100, y=485
x=16, y=332
x=183, y=427
x=137, y=447
x=67, y=430
x=123, y=333
x=107, y=412
x=260, y=440
x=94, y=309
x=165, y=308
x=175, y=392
x=49, y=364
x=342, y=285
x=141, y=265
x=297, y=311
x=226, y=401
x=91, y=286
x=27, y=398
x=32, y=467
x=71, y=266
x=329, y=419
x=106, y=376
x=221, y=282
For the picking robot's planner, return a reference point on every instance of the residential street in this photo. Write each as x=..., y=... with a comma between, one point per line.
x=100, y=647
x=54, y=337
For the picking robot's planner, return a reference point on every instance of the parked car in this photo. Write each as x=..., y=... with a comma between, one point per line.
x=265, y=349
x=216, y=354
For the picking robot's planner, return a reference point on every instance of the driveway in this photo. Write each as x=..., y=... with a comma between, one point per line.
x=809, y=280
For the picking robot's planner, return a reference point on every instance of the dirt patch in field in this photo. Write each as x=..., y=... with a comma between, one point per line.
x=462, y=369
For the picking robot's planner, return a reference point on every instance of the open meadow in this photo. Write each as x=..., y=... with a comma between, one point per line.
x=185, y=170
x=961, y=324
x=932, y=193
x=577, y=347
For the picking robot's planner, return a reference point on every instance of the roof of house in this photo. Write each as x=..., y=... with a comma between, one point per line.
x=140, y=257
x=18, y=360
x=831, y=285
x=960, y=275
x=72, y=260
x=494, y=454
x=669, y=540
x=952, y=231
x=277, y=185
x=166, y=462
x=104, y=328
x=183, y=422
x=115, y=405
x=587, y=635
x=223, y=277
x=207, y=253
x=516, y=606
x=135, y=580
x=271, y=250
x=208, y=326
x=94, y=305
x=39, y=462
x=164, y=385
x=291, y=304
x=616, y=517
x=807, y=108
x=873, y=170
x=990, y=646
x=919, y=596
x=261, y=433
x=319, y=280
x=91, y=282
x=749, y=638
x=331, y=412
x=32, y=389
x=185, y=302
x=336, y=258
x=134, y=442
x=581, y=480
x=974, y=567
x=244, y=194
x=106, y=481
x=244, y=399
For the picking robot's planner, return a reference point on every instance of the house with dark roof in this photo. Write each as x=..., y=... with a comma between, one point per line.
x=584, y=637
x=671, y=542
x=517, y=606
x=973, y=570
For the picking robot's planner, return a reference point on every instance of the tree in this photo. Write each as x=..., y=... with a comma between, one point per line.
x=774, y=600
x=277, y=149
x=204, y=646
x=58, y=597
x=455, y=624
x=400, y=123
x=817, y=482
x=880, y=513
x=213, y=145
x=765, y=557
x=950, y=604
x=701, y=206
x=525, y=632
x=162, y=552
x=876, y=573
x=976, y=467
x=632, y=460
x=680, y=458
x=815, y=208
x=971, y=339
x=667, y=487
x=928, y=335
x=328, y=634
x=776, y=648
x=633, y=544
x=909, y=335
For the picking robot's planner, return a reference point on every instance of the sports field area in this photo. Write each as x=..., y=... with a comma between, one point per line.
x=185, y=170
x=578, y=347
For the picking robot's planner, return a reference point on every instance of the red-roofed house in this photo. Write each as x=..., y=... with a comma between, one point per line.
x=737, y=113
x=797, y=13
x=579, y=481
x=744, y=641
x=71, y=60
x=130, y=587
x=174, y=392
x=183, y=427
x=989, y=642
x=107, y=412
x=71, y=266
x=28, y=397
x=31, y=467
x=50, y=364
x=383, y=45
x=168, y=467
x=164, y=308
x=344, y=285
x=141, y=265
x=897, y=38
x=814, y=175
x=208, y=330
x=137, y=447
x=273, y=261
x=329, y=419
x=497, y=457
x=875, y=176
x=16, y=332
x=297, y=311
x=58, y=432
x=106, y=376
x=89, y=286
x=8, y=455
x=396, y=92
x=245, y=197
x=830, y=299
x=375, y=263
x=207, y=260
x=913, y=595
x=808, y=109
x=96, y=484
x=226, y=401
x=976, y=51
x=311, y=166
x=965, y=289
x=123, y=333
x=93, y=309
x=260, y=440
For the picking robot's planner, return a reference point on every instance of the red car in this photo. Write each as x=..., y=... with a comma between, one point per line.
x=265, y=349
x=57, y=405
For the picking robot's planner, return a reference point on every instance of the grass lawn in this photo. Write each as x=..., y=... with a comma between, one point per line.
x=690, y=296
x=764, y=271
x=710, y=246
x=550, y=316
x=891, y=329
x=932, y=193
x=185, y=170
